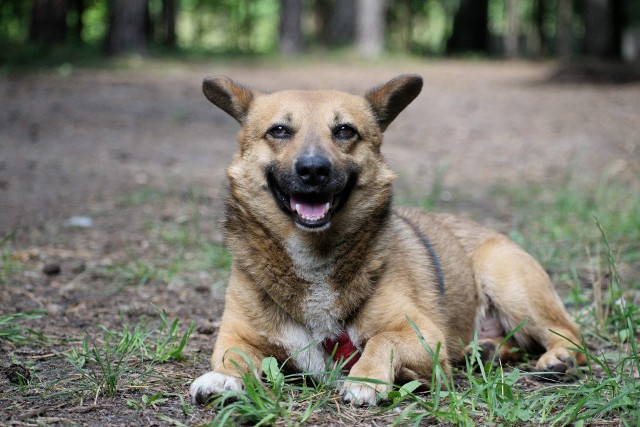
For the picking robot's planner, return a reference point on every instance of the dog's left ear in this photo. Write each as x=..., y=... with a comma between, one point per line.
x=389, y=99
x=231, y=97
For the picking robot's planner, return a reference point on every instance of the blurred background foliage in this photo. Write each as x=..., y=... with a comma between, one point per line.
x=605, y=29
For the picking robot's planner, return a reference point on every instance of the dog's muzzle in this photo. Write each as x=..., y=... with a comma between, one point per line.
x=312, y=191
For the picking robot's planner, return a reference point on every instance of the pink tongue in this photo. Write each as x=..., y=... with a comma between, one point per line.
x=310, y=210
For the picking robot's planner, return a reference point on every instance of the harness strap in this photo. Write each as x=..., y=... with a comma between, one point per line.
x=432, y=252
x=342, y=348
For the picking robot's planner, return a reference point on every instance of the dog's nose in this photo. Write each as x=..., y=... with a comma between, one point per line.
x=313, y=170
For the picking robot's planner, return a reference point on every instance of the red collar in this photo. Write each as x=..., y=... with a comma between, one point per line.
x=345, y=348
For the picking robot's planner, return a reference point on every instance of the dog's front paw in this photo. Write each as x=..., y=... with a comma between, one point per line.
x=212, y=383
x=360, y=394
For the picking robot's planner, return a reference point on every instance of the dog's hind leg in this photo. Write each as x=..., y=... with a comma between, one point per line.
x=494, y=350
x=519, y=290
x=491, y=343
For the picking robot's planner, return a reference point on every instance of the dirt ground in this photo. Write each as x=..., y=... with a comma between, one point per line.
x=139, y=149
x=71, y=141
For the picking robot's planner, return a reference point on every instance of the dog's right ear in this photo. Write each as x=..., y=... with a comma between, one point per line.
x=231, y=97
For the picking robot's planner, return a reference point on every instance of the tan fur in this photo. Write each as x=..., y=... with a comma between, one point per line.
x=369, y=268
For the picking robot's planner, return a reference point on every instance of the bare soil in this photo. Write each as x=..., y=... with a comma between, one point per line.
x=141, y=153
x=71, y=141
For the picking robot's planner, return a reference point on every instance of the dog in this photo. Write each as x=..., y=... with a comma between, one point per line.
x=325, y=269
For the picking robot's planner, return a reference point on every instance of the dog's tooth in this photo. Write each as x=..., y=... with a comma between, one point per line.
x=297, y=207
x=327, y=207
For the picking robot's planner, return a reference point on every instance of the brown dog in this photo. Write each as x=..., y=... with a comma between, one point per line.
x=323, y=265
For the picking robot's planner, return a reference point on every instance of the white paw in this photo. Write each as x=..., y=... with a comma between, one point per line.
x=212, y=383
x=359, y=394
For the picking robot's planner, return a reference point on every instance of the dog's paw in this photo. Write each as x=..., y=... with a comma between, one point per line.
x=360, y=394
x=557, y=360
x=557, y=364
x=212, y=383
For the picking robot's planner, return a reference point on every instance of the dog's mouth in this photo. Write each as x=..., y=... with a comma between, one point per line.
x=310, y=210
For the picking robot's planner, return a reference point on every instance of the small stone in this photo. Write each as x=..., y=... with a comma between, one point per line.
x=80, y=222
x=203, y=289
x=17, y=374
x=55, y=310
x=51, y=269
x=208, y=328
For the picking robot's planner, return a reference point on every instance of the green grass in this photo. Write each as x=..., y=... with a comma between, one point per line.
x=274, y=397
x=588, y=239
x=556, y=222
x=127, y=355
x=181, y=246
x=185, y=256
x=110, y=365
x=9, y=264
x=14, y=330
x=570, y=229
x=102, y=368
x=478, y=394
x=144, y=195
x=564, y=226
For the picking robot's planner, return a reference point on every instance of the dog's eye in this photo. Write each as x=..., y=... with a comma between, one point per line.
x=344, y=132
x=279, y=132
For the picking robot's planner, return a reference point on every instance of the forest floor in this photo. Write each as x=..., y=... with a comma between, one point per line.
x=111, y=187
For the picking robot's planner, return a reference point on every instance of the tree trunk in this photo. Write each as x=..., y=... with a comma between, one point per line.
x=169, y=12
x=618, y=24
x=598, y=29
x=48, y=21
x=336, y=19
x=470, y=27
x=77, y=27
x=128, y=27
x=539, y=42
x=512, y=35
x=370, y=27
x=565, y=28
x=406, y=25
x=290, y=26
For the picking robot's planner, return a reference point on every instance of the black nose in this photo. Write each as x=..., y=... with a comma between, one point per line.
x=313, y=170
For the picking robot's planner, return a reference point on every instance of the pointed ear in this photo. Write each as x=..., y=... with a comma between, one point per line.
x=389, y=99
x=231, y=97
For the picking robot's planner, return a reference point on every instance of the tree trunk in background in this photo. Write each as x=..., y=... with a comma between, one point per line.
x=470, y=27
x=290, y=26
x=618, y=24
x=512, y=34
x=48, y=21
x=539, y=42
x=336, y=20
x=78, y=6
x=169, y=12
x=370, y=27
x=598, y=29
x=565, y=28
x=128, y=27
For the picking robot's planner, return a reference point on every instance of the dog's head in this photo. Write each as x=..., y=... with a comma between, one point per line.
x=309, y=154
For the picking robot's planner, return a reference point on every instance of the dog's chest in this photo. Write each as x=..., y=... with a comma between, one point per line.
x=321, y=307
x=309, y=264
